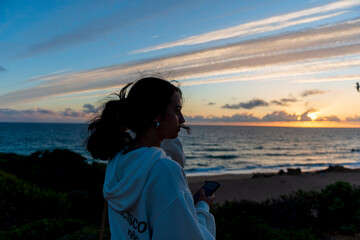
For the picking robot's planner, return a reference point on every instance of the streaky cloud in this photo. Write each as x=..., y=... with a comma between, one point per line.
x=356, y=118
x=261, y=26
x=48, y=76
x=354, y=77
x=297, y=56
x=284, y=101
x=311, y=92
x=260, y=103
x=329, y=119
x=247, y=105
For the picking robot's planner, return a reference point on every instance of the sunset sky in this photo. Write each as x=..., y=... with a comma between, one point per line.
x=261, y=62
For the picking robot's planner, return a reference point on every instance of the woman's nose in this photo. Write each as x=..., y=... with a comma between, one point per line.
x=181, y=118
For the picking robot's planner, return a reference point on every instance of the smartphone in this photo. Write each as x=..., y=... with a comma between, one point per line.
x=210, y=187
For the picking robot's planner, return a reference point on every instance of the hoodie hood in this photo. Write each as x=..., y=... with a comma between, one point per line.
x=126, y=175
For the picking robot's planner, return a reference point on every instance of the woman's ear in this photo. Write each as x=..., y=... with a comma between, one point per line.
x=158, y=118
x=156, y=121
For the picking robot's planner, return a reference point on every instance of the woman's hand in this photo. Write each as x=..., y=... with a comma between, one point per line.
x=202, y=197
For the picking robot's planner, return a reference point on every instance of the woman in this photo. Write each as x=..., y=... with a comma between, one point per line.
x=147, y=192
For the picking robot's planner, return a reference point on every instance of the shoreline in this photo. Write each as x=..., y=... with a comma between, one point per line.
x=304, y=169
x=261, y=186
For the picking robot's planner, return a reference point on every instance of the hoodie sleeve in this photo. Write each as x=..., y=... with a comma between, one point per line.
x=205, y=217
x=178, y=222
x=178, y=218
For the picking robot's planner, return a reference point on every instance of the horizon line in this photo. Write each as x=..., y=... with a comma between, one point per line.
x=283, y=124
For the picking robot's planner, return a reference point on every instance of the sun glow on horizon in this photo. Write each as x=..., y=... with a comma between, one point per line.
x=313, y=115
x=295, y=124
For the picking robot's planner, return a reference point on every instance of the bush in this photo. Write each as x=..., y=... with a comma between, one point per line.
x=339, y=207
x=59, y=169
x=301, y=215
x=62, y=170
x=21, y=201
x=297, y=210
x=62, y=229
x=245, y=220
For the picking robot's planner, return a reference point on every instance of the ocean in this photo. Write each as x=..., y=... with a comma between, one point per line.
x=213, y=149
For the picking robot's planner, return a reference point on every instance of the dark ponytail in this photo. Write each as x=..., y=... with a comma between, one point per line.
x=109, y=130
x=134, y=111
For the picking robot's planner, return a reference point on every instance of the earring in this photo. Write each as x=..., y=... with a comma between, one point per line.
x=157, y=125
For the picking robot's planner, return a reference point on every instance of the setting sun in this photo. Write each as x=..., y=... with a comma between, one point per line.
x=313, y=115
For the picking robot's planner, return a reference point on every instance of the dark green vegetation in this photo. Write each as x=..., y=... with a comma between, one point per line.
x=301, y=215
x=56, y=195
x=50, y=195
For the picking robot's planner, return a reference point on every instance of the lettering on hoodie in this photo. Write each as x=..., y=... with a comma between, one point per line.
x=138, y=226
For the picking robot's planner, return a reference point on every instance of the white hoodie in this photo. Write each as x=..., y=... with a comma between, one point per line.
x=174, y=149
x=149, y=198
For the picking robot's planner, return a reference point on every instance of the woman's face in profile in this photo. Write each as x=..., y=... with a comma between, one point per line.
x=170, y=122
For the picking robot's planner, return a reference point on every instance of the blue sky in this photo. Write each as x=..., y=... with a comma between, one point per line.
x=245, y=62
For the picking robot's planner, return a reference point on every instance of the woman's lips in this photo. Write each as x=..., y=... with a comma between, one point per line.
x=187, y=128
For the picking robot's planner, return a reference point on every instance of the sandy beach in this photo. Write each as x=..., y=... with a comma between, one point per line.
x=247, y=187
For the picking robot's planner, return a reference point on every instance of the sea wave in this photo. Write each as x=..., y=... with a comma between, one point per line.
x=265, y=169
x=299, y=154
x=203, y=170
x=283, y=148
x=219, y=150
x=222, y=156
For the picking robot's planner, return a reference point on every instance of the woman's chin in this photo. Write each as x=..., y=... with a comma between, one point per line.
x=172, y=136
